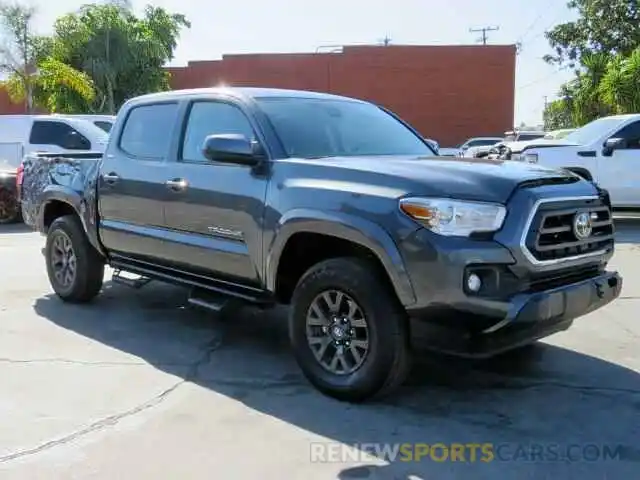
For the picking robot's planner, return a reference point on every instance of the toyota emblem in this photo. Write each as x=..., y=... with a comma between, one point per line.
x=582, y=226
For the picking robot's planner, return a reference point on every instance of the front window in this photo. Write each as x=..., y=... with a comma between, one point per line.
x=592, y=130
x=311, y=128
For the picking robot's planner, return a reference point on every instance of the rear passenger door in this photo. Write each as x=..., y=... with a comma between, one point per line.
x=215, y=219
x=131, y=184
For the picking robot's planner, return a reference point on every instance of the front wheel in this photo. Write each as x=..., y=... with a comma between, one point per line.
x=75, y=268
x=348, y=331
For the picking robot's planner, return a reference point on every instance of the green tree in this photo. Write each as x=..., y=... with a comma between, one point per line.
x=586, y=96
x=602, y=26
x=619, y=86
x=557, y=114
x=33, y=77
x=123, y=54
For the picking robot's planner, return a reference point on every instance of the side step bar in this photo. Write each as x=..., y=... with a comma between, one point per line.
x=133, y=281
x=211, y=301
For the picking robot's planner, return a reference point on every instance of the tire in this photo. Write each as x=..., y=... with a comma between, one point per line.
x=86, y=281
x=386, y=363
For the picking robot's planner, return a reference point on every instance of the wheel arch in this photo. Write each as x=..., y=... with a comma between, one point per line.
x=365, y=237
x=57, y=201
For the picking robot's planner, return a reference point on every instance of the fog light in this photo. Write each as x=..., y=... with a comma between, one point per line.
x=474, y=283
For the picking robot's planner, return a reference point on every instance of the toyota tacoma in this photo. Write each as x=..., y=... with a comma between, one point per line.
x=335, y=207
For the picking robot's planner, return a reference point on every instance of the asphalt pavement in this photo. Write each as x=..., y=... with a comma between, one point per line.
x=139, y=386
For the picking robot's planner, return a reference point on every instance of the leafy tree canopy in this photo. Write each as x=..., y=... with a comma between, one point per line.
x=124, y=55
x=34, y=77
x=603, y=26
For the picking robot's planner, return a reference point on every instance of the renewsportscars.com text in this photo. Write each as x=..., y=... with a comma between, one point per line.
x=465, y=452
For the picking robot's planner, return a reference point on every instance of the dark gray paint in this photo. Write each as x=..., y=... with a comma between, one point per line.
x=254, y=211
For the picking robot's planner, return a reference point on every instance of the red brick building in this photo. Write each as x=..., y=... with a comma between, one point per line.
x=449, y=93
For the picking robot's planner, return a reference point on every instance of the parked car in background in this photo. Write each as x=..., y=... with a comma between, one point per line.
x=244, y=195
x=476, y=143
x=104, y=122
x=9, y=205
x=24, y=134
x=509, y=137
x=522, y=135
x=559, y=134
x=607, y=151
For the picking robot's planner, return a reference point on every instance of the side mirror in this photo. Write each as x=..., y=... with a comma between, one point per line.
x=611, y=145
x=230, y=148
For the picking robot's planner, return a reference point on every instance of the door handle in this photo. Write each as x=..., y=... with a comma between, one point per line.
x=176, y=184
x=110, y=178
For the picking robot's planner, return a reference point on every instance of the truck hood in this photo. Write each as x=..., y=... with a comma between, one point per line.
x=452, y=177
x=517, y=147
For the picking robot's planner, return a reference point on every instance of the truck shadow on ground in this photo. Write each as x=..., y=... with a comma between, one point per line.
x=17, y=227
x=539, y=395
x=628, y=230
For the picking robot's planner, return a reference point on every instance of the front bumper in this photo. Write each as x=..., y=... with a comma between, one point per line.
x=530, y=317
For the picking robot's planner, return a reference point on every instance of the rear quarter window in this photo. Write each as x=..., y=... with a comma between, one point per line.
x=148, y=130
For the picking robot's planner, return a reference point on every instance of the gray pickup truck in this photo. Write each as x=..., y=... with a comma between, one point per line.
x=336, y=207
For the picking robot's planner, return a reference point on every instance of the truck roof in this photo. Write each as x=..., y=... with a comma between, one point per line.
x=241, y=92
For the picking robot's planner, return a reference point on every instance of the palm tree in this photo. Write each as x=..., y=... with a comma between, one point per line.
x=619, y=87
x=586, y=97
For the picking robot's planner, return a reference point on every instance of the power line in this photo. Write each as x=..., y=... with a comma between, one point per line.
x=535, y=21
x=544, y=30
x=542, y=79
x=484, y=31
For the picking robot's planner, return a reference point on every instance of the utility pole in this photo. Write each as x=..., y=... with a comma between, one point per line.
x=484, y=31
x=386, y=41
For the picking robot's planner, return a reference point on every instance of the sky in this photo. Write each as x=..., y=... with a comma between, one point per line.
x=279, y=26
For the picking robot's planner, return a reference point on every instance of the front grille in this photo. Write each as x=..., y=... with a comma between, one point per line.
x=554, y=235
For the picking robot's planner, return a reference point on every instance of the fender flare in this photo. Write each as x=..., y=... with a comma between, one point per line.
x=346, y=227
x=59, y=193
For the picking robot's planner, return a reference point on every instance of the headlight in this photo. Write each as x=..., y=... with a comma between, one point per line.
x=454, y=217
x=530, y=157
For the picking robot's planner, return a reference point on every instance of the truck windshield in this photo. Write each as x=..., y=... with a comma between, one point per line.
x=592, y=130
x=312, y=128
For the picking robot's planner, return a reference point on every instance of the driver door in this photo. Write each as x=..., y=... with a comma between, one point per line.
x=619, y=172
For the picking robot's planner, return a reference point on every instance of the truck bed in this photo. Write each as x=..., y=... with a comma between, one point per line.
x=45, y=171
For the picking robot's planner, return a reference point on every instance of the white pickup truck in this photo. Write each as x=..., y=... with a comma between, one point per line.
x=606, y=151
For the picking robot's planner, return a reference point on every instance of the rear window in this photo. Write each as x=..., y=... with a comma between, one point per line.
x=148, y=129
x=51, y=132
x=106, y=126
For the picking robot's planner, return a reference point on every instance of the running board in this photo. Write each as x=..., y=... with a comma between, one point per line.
x=132, y=281
x=208, y=300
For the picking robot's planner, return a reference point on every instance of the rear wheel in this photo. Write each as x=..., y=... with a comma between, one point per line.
x=348, y=331
x=75, y=268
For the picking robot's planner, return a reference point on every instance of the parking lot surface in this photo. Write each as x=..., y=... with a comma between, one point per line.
x=138, y=386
